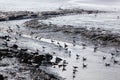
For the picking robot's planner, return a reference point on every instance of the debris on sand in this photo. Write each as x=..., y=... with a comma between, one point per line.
x=23, y=61
x=16, y=15
x=98, y=35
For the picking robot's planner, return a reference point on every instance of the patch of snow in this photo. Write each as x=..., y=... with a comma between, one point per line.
x=95, y=70
x=29, y=5
x=101, y=20
x=47, y=5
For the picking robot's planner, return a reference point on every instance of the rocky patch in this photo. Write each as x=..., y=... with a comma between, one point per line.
x=28, y=62
x=6, y=16
x=14, y=15
x=96, y=35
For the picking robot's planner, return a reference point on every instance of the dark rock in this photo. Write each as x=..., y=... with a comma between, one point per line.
x=1, y=77
x=58, y=60
x=15, y=46
x=107, y=64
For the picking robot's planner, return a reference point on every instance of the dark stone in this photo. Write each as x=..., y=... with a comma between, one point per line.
x=15, y=46
x=48, y=57
x=58, y=60
x=38, y=59
x=1, y=77
x=24, y=49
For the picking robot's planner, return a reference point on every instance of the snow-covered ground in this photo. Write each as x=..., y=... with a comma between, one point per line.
x=101, y=20
x=29, y=5
x=46, y=5
x=96, y=69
